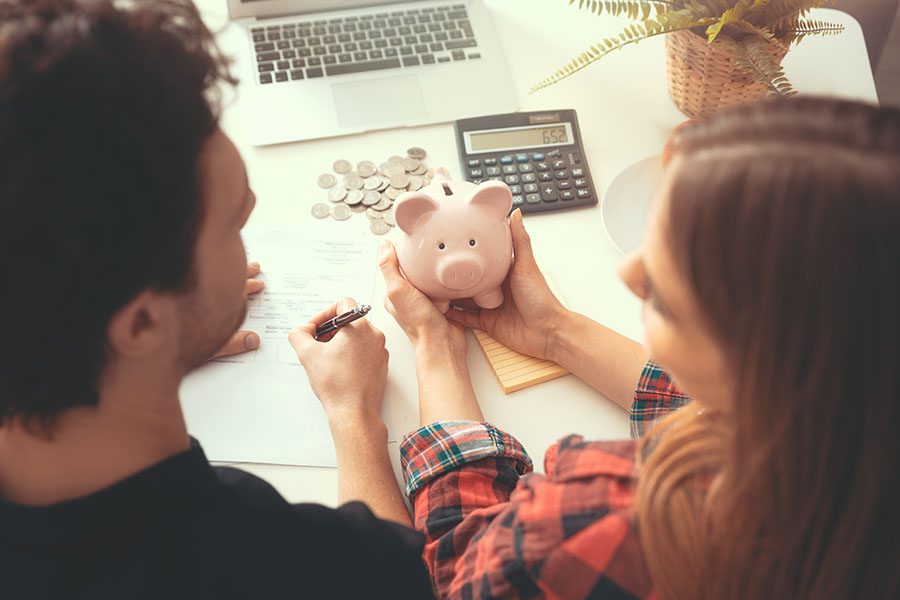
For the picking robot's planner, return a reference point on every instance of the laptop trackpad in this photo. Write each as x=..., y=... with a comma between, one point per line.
x=378, y=101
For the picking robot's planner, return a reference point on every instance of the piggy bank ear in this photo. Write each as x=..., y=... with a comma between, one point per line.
x=495, y=196
x=411, y=207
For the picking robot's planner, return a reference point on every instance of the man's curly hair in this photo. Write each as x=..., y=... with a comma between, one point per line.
x=104, y=109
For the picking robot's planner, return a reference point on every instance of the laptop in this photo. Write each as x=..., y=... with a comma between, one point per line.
x=322, y=68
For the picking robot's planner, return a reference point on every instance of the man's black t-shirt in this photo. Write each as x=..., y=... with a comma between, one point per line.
x=183, y=529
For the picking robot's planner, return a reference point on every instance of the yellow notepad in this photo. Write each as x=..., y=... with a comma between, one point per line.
x=517, y=371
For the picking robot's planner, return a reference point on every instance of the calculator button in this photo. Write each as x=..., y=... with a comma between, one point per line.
x=549, y=193
x=575, y=159
x=545, y=176
x=533, y=198
x=580, y=183
x=538, y=156
x=564, y=185
x=492, y=171
x=542, y=166
x=515, y=189
x=578, y=172
x=583, y=193
x=562, y=174
x=518, y=200
x=566, y=195
x=528, y=177
x=510, y=169
x=522, y=158
x=506, y=160
x=531, y=188
x=476, y=173
x=559, y=164
x=489, y=162
x=511, y=179
x=474, y=162
x=526, y=168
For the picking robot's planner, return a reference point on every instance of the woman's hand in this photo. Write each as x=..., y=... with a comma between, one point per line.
x=244, y=341
x=347, y=369
x=445, y=388
x=416, y=314
x=530, y=314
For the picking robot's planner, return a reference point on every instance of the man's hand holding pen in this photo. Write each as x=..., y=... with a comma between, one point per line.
x=347, y=368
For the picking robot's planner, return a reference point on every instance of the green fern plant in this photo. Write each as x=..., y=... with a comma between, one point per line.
x=746, y=29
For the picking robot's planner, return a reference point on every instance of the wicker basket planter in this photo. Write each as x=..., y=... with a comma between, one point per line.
x=702, y=77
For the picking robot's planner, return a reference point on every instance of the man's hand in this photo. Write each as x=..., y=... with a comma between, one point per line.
x=244, y=341
x=530, y=313
x=347, y=369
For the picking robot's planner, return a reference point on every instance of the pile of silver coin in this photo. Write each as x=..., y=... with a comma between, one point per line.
x=371, y=188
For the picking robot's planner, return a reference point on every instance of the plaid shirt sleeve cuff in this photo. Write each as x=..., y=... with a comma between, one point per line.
x=439, y=448
x=655, y=396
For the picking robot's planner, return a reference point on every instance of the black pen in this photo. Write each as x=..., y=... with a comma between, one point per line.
x=345, y=319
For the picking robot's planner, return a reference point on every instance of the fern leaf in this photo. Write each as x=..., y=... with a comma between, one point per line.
x=777, y=12
x=734, y=14
x=630, y=8
x=761, y=32
x=632, y=35
x=753, y=56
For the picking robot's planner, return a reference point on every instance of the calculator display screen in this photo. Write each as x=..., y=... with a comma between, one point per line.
x=558, y=134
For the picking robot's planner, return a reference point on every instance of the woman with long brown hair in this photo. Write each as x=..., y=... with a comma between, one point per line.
x=771, y=285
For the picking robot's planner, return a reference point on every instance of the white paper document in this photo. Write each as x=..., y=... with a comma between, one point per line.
x=258, y=406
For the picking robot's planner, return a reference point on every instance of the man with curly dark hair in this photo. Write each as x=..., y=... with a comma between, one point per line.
x=122, y=203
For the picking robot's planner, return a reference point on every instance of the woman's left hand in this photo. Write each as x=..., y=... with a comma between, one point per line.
x=416, y=314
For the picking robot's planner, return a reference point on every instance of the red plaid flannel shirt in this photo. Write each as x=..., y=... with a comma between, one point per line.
x=494, y=531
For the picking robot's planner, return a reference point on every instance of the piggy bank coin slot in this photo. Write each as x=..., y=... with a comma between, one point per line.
x=447, y=190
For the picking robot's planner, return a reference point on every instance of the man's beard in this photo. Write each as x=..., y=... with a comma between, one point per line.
x=204, y=332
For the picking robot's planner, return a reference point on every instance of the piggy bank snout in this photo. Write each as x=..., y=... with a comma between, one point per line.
x=460, y=273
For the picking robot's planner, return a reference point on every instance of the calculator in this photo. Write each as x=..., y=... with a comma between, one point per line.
x=538, y=154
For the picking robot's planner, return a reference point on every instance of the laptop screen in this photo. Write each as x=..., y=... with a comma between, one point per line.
x=269, y=8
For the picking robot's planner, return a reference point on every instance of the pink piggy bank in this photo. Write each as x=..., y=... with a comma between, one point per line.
x=455, y=240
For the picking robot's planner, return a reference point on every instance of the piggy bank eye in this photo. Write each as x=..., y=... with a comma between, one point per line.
x=442, y=246
x=472, y=243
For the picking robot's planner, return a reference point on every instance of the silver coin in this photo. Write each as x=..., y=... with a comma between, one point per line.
x=342, y=166
x=337, y=194
x=320, y=211
x=359, y=208
x=327, y=180
x=394, y=160
x=373, y=213
x=388, y=217
x=384, y=203
x=383, y=167
x=421, y=170
x=341, y=212
x=366, y=168
x=394, y=170
x=352, y=181
x=372, y=183
x=401, y=182
x=371, y=198
x=410, y=164
x=379, y=227
x=417, y=153
x=416, y=183
x=385, y=184
x=354, y=197
x=393, y=193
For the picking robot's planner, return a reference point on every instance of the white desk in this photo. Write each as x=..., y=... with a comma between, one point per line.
x=625, y=114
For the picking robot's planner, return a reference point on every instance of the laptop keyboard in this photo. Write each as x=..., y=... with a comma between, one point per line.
x=359, y=44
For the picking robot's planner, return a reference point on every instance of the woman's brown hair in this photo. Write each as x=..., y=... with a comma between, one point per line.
x=784, y=219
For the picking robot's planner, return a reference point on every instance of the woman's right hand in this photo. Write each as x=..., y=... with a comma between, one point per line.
x=530, y=313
